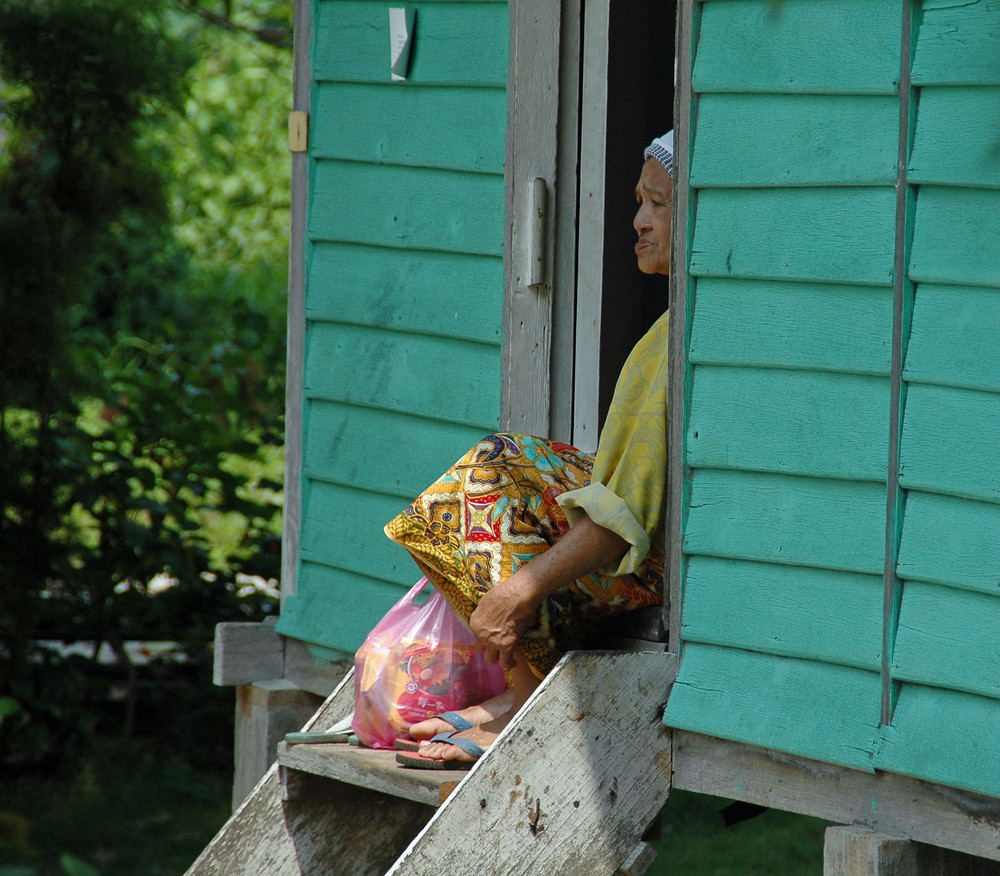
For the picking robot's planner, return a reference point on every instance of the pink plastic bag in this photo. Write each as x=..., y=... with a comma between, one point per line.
x=419, y=661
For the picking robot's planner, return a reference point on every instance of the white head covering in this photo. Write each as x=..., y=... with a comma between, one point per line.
x=662, y=149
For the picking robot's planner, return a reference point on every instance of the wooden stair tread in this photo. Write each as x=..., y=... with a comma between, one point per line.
x=370, y=768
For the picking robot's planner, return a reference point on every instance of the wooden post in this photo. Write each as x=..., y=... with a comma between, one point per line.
x=265, y=712
x=858, y=851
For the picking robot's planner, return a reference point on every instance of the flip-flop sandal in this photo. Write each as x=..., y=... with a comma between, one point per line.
x=406, y=745
x=419, y=762
x=453, y=718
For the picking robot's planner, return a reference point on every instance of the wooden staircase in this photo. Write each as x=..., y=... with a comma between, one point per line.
x=569, y=787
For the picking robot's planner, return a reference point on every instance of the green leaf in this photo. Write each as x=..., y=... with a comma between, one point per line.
x=73, y=866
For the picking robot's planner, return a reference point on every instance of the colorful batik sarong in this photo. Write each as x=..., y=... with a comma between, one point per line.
x=493, y=511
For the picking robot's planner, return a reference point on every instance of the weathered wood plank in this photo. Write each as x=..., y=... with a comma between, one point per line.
x=955, y=239
x=246, y=652
x=957, y=43
x=442, y=378
x=454, y=44
x=849, y=47
x=407, y=207
x=950, y=541
x=953, y=337
x=561, y=791
x=893, y=804
x=796, y=234
x=948, y=638
x=860, y=851
x=316, y=613
x=951, y=442
x=352, y=448
x=788, y=520
x=957, y=139
x=835, y=617
x=792, y=325
x=391, y=289
x=802, y=707
x=448, y=128
x=946, y=737
x=795, y=140
x=789, y=422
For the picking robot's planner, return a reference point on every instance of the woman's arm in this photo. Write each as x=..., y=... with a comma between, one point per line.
x=505, y=612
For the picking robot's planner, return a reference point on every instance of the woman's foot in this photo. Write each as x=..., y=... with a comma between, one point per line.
x=473, y=715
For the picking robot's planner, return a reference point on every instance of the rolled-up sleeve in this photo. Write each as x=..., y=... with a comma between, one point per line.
x=628, y=488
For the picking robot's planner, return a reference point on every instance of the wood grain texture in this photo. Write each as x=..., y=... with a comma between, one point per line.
x=562, y=790
x=789, y=422
x=802, y=707
x=951, y=541
x=789, y=520
x=957, y=43
x=411, y=208
x=444, y=379
x=953, y=338
x=944, y=736
x=948, y=638
x=449, y=128
x=455, y=43
x=795, y=140
x=788, y=611
x=951, y=442
x=956, y=239
x=849, y=47
x=957, y=139
x=796, y=234
x=386, y=452
x=431, y=293
x=792, y=325
x=894, y=804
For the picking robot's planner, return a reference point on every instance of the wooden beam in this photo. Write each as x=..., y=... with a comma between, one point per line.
x=885, y=802
x=247, y=652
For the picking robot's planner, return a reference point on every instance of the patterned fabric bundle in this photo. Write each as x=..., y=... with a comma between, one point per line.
x=493, y=511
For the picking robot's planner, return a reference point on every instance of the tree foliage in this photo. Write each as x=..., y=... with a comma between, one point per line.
x=141, y=383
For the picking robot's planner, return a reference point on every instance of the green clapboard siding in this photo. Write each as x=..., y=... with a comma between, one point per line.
x=957, y=43
x=796, y=234
x=338, y=606
x=792, y=325
x=954, y=337
x=795, y=140
x=810, y=46
x=957, y=141
x=957, y=237
x=407, y=207
x=834, y=617
x=389, y=124
x=455, y=43
x=404, y=291
x=951, y=442
x=802, y=707
x=790, y=422
x=439, y=378
x=346, y=449
x=944, y=736
x=789, y=520
x=342, y=528
x=959, y=628
x=391, y=288
x=950, y=541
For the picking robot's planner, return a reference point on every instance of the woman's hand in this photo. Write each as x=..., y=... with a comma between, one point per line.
x=502, y=617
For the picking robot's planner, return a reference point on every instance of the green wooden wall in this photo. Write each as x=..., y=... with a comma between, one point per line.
x=796, y=632
x=404, y=290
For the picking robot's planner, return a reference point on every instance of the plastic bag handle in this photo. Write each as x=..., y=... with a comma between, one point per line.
x=416, y=590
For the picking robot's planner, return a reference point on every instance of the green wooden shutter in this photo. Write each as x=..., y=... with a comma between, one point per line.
x=789, y=594
x=404, y=291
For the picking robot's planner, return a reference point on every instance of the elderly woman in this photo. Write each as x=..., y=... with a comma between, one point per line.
x=592, y=528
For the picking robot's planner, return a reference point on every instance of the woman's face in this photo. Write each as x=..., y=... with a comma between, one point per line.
x=653, y=220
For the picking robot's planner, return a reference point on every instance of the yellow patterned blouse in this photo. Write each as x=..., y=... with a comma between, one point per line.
x=627, y=492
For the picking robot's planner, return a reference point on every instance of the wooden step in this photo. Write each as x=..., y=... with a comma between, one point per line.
x=370, y=768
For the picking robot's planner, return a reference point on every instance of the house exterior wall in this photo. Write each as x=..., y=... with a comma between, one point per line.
x=800, y=629
x=403, y=291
